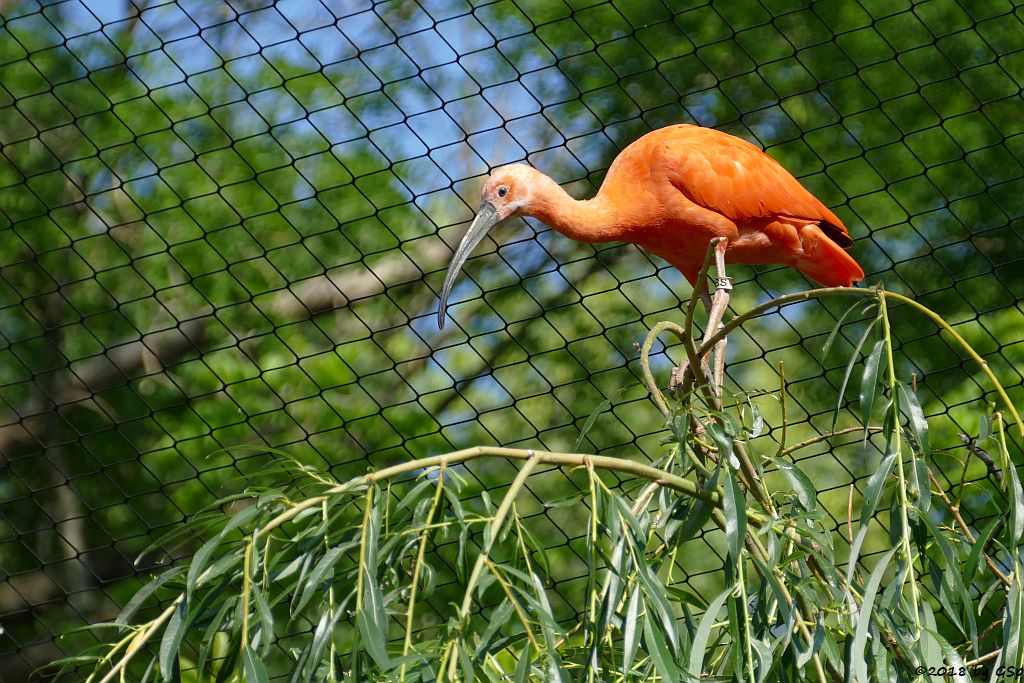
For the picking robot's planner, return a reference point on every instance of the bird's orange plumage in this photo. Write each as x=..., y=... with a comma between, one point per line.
x=700, y=183
x=672, y=192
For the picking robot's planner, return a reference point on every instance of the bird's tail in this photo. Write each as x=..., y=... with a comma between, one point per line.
x=824, y=261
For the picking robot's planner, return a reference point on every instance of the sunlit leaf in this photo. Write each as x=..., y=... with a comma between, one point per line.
x=863, y=618
x=869, y=380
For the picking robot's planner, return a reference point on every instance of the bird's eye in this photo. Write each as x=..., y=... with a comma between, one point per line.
x=502, y=191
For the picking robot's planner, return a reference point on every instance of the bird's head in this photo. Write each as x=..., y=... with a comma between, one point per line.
x=506, y=194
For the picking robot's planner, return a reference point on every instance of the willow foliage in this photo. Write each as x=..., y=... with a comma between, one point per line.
x=411, y=573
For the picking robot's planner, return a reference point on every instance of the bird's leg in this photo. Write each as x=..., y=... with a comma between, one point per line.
x=723, y=285
x=675, y=381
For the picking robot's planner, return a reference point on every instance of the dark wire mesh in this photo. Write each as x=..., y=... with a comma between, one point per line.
x=226, y=224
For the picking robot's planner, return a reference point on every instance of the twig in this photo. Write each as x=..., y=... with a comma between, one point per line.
x=823, y=437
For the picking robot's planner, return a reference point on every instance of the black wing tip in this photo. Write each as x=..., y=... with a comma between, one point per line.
x=837, y=235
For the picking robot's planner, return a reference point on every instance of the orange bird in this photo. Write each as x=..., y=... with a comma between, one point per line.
x=671, y=192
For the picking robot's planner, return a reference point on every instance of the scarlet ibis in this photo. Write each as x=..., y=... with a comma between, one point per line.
x=671, y=192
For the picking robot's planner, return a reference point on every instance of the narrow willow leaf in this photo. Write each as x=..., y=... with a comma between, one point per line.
x=630, y=630
x=873, y=492
x=700, y=638
x=321, y=638
x=863, y=621
x=916, y=420
x=960, y=599
x=804, y=655
x=658, y=650
x=849, y=369
x=827, y=346
x=919, y=469
x=499, y=617
x=724, y=443
x=466, y=660
x=266, y=618
x=373, y=639
x=869, y=380
x=1013, y=623
x=930, y=649
x=735, y=508
x=984, y=428
x=415, y=494
x=541, y=554
x=980, y=542
x=595, y=413
x=320, y=574
x=229, y=663
x=210, y=635
x=174, y=632
x=253, y=668
x=566, y=501
x=522, y=673
x=372, y=620
x=1015, y=527
x=952, y=658
x=206, y=551
x=800, y=482
x=657, y=598
x=143, y=594
x=764, y=659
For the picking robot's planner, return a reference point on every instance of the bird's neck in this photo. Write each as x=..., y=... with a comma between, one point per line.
x=586, y=220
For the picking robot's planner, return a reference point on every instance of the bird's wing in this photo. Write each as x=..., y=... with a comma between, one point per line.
x=736, y=179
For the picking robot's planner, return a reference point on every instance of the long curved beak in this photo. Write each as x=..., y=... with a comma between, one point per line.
x=486, y=218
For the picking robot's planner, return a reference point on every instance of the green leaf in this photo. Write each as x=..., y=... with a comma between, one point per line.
x=630, y=640
x=724, y=443
x=592, y=418
x=522, y=673
x=953, y=659
x=700, y=638
x=735, y=508
x=266, y=618
x=206, y=551
x=953, y=578
x=658, y=650
x=372, y=620
x=1015, y=527
x=319, y=576
x=980, y=542
x=1013, y=623
x=863, y=621
x=869, y=380
x=919, y=469
x=873, y=492
x=805, y=655
x=849, y=369
x=253, y=668
x=173, y=635
x=827, y=346
x=143, y=593
x=210, y=635
x=566, y=501
x=800, y=482
x=499, y=617
x=916, y=419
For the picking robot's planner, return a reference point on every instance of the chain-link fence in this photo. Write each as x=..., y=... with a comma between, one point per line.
x=223, y=227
